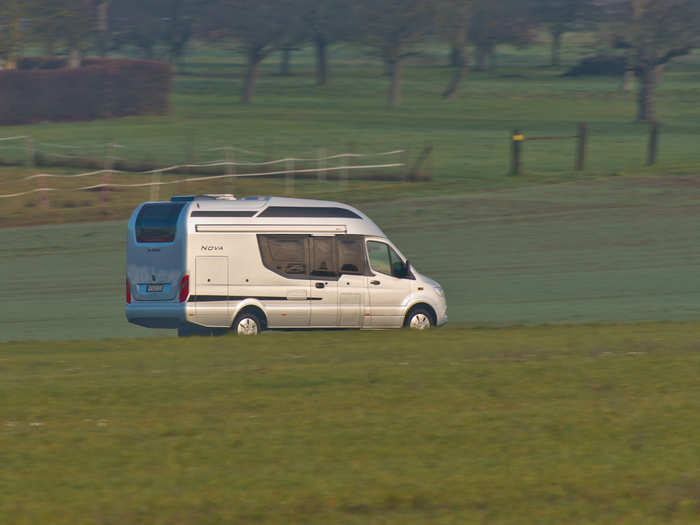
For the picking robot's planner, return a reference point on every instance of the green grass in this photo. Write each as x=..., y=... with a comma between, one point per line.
x=470, y=135
x=570, y=424
x=620, y=249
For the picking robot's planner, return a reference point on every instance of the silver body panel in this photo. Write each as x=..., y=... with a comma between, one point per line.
x=222, y=258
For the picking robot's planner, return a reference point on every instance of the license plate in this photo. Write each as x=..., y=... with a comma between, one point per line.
x=154, y=288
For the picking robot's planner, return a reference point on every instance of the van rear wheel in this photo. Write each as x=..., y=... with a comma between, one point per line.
x=419, y=319
x=247, y=323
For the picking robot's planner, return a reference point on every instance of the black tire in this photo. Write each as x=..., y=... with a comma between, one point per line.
x=419, y=318
x=247, y=323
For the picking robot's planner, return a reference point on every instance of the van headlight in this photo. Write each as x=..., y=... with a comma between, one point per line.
x=438, y=290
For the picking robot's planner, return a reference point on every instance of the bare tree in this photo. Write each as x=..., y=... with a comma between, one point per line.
x=158, y=28
x=560, y=17
x=495, y=22
x=392, y=27
x=257, y=27
x=654, y=32
x=326, y=22
x=12, y=32
x=452, y=24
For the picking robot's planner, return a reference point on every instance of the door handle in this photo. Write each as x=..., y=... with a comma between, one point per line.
x=375, y=282
x=320, y=285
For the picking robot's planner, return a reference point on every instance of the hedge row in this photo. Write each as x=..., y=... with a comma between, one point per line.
x=100, y=88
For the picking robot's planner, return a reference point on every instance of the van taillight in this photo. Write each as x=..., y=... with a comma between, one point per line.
x=184, y=288
x=128, y=292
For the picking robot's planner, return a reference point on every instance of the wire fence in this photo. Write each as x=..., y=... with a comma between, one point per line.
x=322, y=166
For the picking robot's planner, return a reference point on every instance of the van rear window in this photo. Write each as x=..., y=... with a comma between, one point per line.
x=156, y=222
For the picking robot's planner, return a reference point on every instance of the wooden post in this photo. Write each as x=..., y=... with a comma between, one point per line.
x=30, y=152
x=109, y=160
x=581, y=151
x=230, y=167
x=404, y=162
x=322, y=164
x=289, y=177
x=155, y=188
x=345, y=172
x=653, y=143
x=517, y=139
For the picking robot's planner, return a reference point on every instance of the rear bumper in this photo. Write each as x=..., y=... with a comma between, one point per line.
x=155, y=314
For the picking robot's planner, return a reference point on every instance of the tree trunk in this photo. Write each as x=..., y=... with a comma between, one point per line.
x=493, y=62
x=321, y=61
x=556, y=48
x=628, y=80
x=74, y=59
x=646, y=99
x=251, y=75
x=102, y=27
x=458, y=74
x=456, y=55
x=395, y=94
x=482, y=53
x=284, y=62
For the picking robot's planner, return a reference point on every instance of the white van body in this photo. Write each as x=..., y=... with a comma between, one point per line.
x=294, y=263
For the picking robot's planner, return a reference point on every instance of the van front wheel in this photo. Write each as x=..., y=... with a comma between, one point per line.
x=247, y=323
x=419, y=319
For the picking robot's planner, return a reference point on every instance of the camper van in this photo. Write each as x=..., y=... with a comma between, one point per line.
x=212, y=263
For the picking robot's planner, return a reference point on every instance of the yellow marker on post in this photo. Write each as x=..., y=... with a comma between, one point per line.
x=519, y=137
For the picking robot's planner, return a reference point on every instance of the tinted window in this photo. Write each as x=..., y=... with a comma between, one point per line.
x=220, y=213
x=350, y=255
x=308, y=211
x=156, y=222
x=323, y=257
x=397, y=266
x=284, y=254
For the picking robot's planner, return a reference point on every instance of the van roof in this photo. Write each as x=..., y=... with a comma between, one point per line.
x=290, y=211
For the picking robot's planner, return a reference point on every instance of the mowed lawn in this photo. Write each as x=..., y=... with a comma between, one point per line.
x=547, y=425
x=616, y=249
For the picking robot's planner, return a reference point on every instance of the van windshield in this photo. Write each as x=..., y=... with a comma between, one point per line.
x=156, y=221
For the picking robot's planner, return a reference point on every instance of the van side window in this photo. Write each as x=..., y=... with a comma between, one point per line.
x=323, y=263
x=379, y=257
x=350, y=255
x=385, y=260
x=284, y=254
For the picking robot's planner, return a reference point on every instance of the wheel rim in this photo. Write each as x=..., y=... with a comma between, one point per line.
x=420, y=322
x=247, y=326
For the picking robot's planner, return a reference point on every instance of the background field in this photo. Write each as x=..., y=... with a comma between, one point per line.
x=289, y=116
x=574, y=424
x=609, y=250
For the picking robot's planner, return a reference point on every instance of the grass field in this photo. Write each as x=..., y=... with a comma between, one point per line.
x=570, y=424
x=290, y=116
x=610, y=250
x=582, y=421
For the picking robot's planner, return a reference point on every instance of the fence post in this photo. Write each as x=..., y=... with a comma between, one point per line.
x=289, y=177
x=30, y=152
x=155, y=187
x=653, y=143
x=109, y=160
x=322, y=164
x=344, y=173
x=581, y=151
x=517, y=139
x=230, y=167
